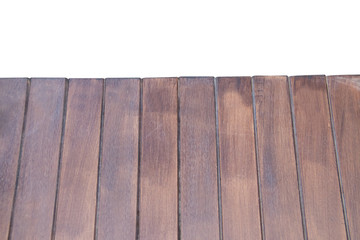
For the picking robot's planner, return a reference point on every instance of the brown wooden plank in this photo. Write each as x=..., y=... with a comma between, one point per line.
x=279, y=185
x=35, y=198
x=322, y=202
x=119, y=165
x=240, y=205
x=199, y=217
x=158, y=162
x=12, y=105
x=345, y=98
x=79, y=165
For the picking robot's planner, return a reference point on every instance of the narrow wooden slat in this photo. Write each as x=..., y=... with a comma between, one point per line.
x=78, y=176
x=279, y=185
x=198, y=165
x=12, y=105
x=240, y=205
x=35, y=198
x=345, y=98
x=158, y=162
x=322, y=202
x=119, y=165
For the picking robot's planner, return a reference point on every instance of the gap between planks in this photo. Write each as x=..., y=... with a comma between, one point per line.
x=66, y=92
x=262, y=225
x=298, y=171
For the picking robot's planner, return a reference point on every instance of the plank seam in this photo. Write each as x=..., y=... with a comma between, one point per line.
x=139, y=160
x=66, y=92
x=178, y=160
x=28, y=85
x=218, y=159
x=342, y=196
x=298, y=171
x=262, y=225
x=102, y=117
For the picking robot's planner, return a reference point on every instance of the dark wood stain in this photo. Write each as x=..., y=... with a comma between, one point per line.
x=119, y=166
x=323, y=208
x=158, y=162
x=240, y=205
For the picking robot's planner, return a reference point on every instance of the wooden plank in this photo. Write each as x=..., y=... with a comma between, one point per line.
x=345, y=98
x=239, y=188
x=12, y=105
x=322, y=202
x=78, y=176
x=35, y=198
x=199, y=217
x=158, y=163
x=279, y=184
x=119, y=166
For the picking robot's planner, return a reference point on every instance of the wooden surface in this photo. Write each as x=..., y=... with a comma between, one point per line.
x=76, y=202
x=119, y=162
x=322, y=202
x=279, y=183
x=199, y=215
x=35, y=197
x=239, y=187
x=158, y=162
x=345, y=98
x=12, y=108
x=267, y=157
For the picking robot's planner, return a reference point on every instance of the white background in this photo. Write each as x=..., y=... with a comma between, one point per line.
x=177, y=38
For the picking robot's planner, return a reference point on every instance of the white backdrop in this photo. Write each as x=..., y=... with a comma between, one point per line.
x=70, y=38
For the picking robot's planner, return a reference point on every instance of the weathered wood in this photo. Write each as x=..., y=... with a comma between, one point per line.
x=239, y=188
x=322, y=202
x=119, y=165
x=161, y=159
x=279, y=185
x=158, y=162
x=12, y=105
x=199, y=217
x=35, y=198
x=345, y=98
x=79, y=164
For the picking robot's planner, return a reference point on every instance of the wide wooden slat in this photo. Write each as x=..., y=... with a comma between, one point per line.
x=119, y=166
x=322, y=202
x=239, y=188
x=199, y=217
x=279, y=185
x=158, y=162
x=35, y=198
x=12, y=104
x=345, y=98
x=79, y=164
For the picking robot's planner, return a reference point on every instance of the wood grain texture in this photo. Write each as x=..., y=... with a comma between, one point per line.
x=322, y=202
x=35, y=198
x=119, y=166
x=78, y=176
x=279, y=185
x=198, y=165
x=158, y=162
x=345, y=98
x=240, y=205
x=12, y=105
